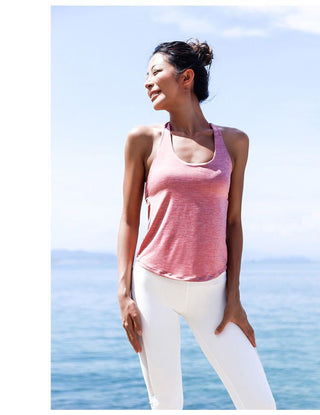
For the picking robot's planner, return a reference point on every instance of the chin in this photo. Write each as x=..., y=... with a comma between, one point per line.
x=159, y=107
x=159, y=104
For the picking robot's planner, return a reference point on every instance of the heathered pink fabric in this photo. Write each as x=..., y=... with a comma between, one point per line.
x=187, y=212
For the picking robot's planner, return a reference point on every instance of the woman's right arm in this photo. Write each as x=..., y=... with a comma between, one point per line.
x=133, y=186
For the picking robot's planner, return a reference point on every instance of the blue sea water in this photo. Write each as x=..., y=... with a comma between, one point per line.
x=95, y=367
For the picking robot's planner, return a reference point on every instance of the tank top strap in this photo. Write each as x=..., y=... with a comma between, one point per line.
x=163, y=148
x=217, y=139
x=221, y=150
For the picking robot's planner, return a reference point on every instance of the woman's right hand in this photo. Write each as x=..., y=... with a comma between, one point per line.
x=131, y=321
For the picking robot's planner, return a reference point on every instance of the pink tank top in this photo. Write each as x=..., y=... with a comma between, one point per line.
x=187, y=212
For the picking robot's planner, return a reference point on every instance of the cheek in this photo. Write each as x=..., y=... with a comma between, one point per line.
x=167, y=84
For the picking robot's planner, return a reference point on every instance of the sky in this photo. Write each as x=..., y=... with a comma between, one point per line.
x=264, y=81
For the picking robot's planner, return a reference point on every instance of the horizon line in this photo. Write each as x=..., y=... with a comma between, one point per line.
x=245, y=257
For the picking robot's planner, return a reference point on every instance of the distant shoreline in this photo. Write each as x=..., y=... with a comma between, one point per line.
x=65, y=257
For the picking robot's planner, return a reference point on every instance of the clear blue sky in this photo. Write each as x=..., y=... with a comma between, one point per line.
x=264, y=81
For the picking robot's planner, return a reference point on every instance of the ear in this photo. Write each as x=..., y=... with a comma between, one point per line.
x=187, y=77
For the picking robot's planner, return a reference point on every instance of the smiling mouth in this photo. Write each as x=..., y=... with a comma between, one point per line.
x=154, y=95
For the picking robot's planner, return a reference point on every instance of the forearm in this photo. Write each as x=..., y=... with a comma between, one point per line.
x=127, y=241
x=234, y=245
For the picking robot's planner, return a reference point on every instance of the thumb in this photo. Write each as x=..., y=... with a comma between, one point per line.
x=221, y=326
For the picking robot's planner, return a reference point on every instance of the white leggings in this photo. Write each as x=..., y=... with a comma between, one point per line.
x=160, y=301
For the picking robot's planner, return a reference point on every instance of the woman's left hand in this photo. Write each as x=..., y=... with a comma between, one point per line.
x=235, y=313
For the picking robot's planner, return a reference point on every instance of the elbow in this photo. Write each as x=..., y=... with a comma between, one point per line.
x=233, y=228
x=131, y=221
x=234, y=223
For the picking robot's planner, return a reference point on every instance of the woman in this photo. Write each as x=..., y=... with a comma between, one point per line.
x=189, y=260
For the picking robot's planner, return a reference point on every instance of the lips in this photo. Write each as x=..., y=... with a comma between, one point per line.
x=154, y=94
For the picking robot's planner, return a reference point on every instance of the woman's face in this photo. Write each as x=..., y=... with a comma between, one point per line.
x=162, y=83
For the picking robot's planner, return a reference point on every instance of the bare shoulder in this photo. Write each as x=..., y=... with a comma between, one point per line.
x=143, y=132
x=141, y=138
x=236, y=141
x=234, y=136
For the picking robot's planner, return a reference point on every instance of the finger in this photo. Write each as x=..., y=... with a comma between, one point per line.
x=221, y=326
x=132, y=336
x=137, y=323
x=134, y=341
x=249, y=332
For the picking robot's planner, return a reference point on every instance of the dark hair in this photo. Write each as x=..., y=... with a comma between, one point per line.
x=193, y=55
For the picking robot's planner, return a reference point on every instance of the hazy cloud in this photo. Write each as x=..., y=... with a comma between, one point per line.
x=241, y=21
x=306, y=19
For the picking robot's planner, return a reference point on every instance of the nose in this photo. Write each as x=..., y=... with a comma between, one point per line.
x=148, y=83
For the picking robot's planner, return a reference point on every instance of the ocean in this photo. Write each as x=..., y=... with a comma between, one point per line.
x=93, y=365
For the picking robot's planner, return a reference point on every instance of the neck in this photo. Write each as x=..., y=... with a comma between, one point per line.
x=188, y=119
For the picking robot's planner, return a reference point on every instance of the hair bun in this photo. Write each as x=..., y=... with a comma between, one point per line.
x=202, y=50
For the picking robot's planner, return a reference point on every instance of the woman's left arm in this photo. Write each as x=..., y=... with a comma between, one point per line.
x=234, y=312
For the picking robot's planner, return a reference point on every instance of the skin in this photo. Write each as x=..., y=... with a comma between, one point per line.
x=192, y=142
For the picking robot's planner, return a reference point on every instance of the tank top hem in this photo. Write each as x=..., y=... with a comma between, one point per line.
x=177, y=277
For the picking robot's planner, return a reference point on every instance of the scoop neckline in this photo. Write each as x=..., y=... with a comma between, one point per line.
x=194, y=164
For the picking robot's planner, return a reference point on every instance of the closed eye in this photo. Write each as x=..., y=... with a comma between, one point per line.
x=153, y=73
